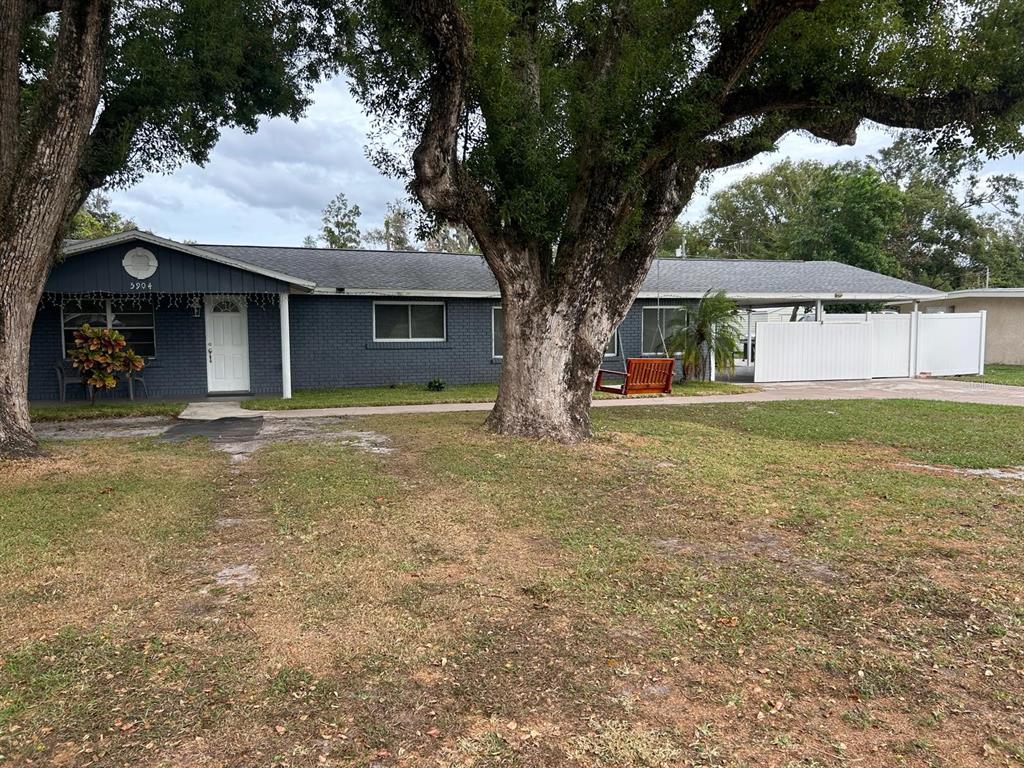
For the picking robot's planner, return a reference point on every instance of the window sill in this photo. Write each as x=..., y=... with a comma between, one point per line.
x=408, y=345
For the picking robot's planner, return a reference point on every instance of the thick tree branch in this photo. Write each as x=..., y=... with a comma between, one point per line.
x=36, y=8
x=110, y=142
x=738, y=47
x=12, y=23
x=440, y=181
x=898, y=110
x=742, y=42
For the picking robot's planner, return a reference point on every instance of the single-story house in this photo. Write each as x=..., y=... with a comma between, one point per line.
x=1004, y=309
x=219, y=319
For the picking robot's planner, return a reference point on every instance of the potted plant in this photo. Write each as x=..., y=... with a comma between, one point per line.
x=100, y=355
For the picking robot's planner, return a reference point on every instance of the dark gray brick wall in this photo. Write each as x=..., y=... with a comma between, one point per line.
x=264, y=348
x=179, y=368
x=332, y=346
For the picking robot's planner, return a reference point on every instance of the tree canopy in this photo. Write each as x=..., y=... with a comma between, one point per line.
x=396, y=232
x=95, y=219
x=907, y=212
x=554, y=93
x=339, y=225
x=176, y=74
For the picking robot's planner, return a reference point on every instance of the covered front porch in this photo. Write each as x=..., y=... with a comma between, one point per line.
x=204, y=329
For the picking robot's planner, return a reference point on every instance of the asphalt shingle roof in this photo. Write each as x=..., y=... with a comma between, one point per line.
x=382, y=271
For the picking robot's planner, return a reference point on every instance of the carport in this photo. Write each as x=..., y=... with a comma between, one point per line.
x=795, y=349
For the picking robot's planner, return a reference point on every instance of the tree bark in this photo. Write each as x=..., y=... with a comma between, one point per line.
x=22, y=259
x=38, y=184
x=556, y=331
x=551, y=355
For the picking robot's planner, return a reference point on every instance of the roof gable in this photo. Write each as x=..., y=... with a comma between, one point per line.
x=98, y=267
x=76, y=247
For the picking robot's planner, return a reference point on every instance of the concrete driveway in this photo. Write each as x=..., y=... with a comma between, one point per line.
x=916, y=389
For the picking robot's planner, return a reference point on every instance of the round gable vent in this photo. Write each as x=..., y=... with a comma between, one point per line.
x=139, y=263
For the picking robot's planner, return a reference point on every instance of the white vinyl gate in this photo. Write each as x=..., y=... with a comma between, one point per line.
x=871, y=346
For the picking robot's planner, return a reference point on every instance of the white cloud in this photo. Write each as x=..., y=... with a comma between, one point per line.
x=269, y=187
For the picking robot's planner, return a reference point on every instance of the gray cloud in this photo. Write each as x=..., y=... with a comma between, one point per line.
x=269, y=187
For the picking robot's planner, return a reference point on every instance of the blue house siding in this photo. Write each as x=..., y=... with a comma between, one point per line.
x=332, y=344
x=44, y=351
x=264, y=348
x=331, y=341
x=100, y=271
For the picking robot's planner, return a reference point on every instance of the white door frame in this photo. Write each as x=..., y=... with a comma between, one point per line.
x=238, y=385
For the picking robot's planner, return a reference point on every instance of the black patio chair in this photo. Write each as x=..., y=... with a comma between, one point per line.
x=67, y=375
x=135, y=378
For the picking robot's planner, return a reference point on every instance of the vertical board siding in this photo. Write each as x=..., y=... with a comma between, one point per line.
x=948, y=344
x=813, y=351
x=100, y=271
x=876, y=346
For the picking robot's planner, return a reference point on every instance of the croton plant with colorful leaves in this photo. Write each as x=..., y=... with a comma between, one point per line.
x=100, y=354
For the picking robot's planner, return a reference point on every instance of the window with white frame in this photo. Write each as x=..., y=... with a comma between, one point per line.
x=657, y=324
x=134, y=319
x=408, y=321
x=498, y=335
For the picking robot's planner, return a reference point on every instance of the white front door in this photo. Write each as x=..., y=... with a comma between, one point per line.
x=227, y=344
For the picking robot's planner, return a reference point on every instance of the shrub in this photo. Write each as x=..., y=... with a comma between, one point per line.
x=436, y=385
x=100, y=354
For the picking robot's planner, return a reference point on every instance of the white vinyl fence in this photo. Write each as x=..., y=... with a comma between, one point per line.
x=871, y=346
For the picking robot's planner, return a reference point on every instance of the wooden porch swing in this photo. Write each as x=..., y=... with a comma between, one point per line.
x=642, y=375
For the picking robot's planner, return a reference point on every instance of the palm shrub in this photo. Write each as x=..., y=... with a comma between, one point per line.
x=100, y=354
x=709, y=332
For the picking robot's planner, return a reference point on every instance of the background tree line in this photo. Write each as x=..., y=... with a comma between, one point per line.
x=923, y=216
x=401, y=230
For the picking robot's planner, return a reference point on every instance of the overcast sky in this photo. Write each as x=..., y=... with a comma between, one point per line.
x=268, y=188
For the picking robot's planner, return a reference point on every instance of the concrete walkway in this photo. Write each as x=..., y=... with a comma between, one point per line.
x=884, y=389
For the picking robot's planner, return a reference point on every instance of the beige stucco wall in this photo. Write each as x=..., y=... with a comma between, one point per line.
x=1004, y=324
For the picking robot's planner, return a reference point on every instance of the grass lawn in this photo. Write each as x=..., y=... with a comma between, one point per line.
x=101, y=410
x=417, y=394
x=796, y=585
x=997, y=373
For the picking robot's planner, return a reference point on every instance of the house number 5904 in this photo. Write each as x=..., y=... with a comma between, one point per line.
x=140, y=286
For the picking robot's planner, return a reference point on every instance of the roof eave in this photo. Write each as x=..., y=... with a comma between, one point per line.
x=407, y=292
x=795, y=296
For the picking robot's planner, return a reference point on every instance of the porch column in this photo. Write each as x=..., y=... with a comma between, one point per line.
x=746, y=353
x=819, y=311
x=286, y=350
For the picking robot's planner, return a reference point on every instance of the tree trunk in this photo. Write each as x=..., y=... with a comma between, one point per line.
x=16, y=315
x=547, y=375
x=39, y=185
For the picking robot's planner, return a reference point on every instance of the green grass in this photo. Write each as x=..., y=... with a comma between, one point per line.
x=722, y=584
x=963, y=435
x=418, y=394
x=155, y=495
x=116, y=410
x=998, y=373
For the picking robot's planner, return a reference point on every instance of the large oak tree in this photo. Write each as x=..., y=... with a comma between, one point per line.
x=568, y=136
x=97, y=92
